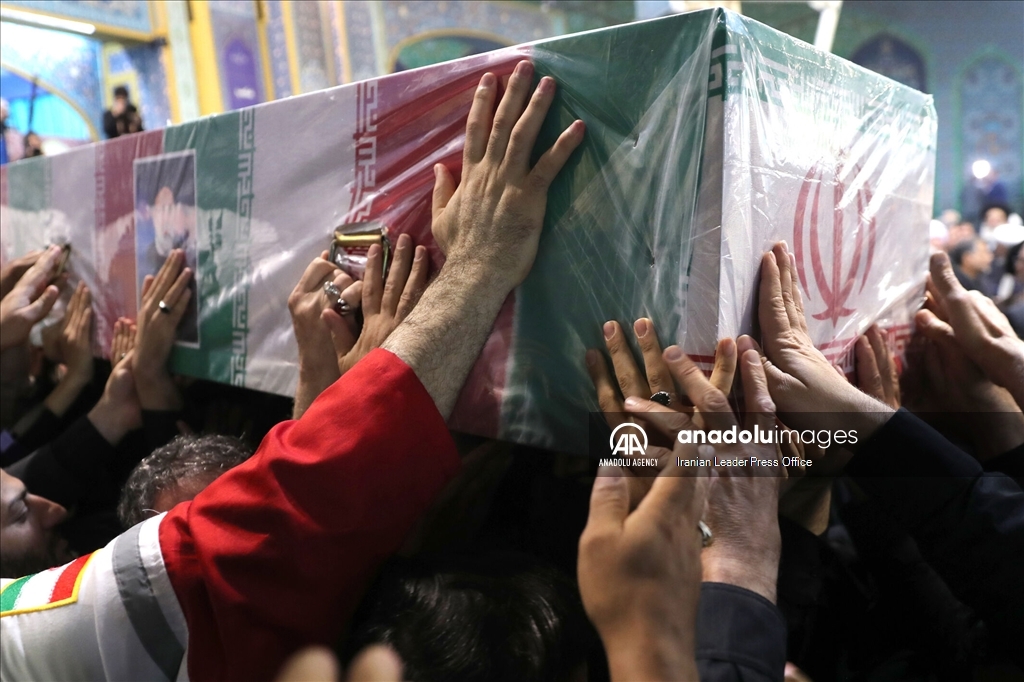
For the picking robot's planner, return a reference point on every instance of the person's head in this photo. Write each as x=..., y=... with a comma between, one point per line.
x=972, y=256
x=177, y=472
x=962, y=231
x=29, y=542
x=994, y=216
x=503, y=616
x=5, y=110
x=33, y=144
x=121, y=93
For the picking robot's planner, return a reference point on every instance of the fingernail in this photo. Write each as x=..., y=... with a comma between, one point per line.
x=632, y=402
x=607, y=475
x=403, y=241
x=752, y=358
x=437, y=170
x=524, y=68
x=673, y=354
x=421, y=252
x=609, y=330
x=546, y=86
x=771, y=257
x=728, y=348
x=785, y=246
x=374, y=250
x=487, y=81
x=641, y=328
x=591, y=357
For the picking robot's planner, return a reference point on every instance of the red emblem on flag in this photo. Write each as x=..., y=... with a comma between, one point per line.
x=834, y=285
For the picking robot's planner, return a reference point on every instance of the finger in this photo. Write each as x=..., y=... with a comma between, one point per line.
x=167, y=274
x=609, y=501
x=524, y=133
x=115, y=341
x=929, y=324
x=312, y=664
x=771, y=306
x=724, y=371
x=509, y=109
x=711, y=402
x=886, y=366
x=759, y=403
x=478, y=124
x=869, y=379
x=658, y=376
x=179, y=307
x=671, y=501
x=398, y=275
x=377, y=663
x=943, y=279
x=608, y=400
x=444, y=188
x=626, y=372
x=665, y=420
x=551, y=161
x=39, y=308
x=343, y=336
x=790, y=287
x=41, y=272
x=176, y=289
x=315, y=274
x=415, y=285
x=373, y=281
x=147, y=284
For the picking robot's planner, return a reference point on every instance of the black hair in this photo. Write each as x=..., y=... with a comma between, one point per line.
x=961, y=249
x=182, y=458
x=988, y=207
x=504, y=616
x=121, y=91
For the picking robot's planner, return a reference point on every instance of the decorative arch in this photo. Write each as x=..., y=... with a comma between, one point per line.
x=894, y=58
x=57, y=92
x=448, y=44
x=989, y=91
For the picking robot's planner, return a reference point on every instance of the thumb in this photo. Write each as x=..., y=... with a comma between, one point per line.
x=444, y=188
x=943, y=277
x=341, y=334
x=609, y=499
x=38, y=309
x=932, y=327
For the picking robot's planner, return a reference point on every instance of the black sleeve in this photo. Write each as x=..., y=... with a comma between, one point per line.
x=741, y=636
x=69, y=468
x=1010, y=463
x=109, y=125
x=968, y=524
x=37, y=428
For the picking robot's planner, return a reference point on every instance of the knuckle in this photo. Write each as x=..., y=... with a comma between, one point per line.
x=625, y=383
x=714, y=400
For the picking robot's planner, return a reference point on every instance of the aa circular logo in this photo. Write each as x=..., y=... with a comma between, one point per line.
x=628, y=440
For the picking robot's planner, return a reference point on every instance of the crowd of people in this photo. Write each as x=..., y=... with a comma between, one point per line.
x=362, y=540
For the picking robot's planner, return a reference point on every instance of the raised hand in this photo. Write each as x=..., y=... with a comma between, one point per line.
x=164, y=301
x=76, y=339
x=801, y=380
x=876, y=368
x=743, y=502
x=977, y=326
x=118, y=410
x=488, y=228
x=495, y=215
x=15, y=269
x=123, y=342
x=385, y=303
x=308, y=304
x=29, y=300
x=640, y=573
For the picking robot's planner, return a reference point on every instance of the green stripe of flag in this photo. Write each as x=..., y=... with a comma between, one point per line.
x=10, y=595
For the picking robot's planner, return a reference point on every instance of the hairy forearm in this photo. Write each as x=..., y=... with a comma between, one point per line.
x=652, y=656
x=755, y=569
x=443, y=335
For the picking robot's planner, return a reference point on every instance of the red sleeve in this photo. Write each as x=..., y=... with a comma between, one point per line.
x=276, y=553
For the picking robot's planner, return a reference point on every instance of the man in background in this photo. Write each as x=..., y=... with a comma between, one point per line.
x=122, y=118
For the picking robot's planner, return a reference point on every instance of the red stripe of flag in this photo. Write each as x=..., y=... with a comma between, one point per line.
x=66, y=582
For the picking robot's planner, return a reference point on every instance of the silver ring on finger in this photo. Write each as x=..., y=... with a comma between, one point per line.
x=706, y=536
x=164, y=308
x=340, y=305
x=662, y=398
